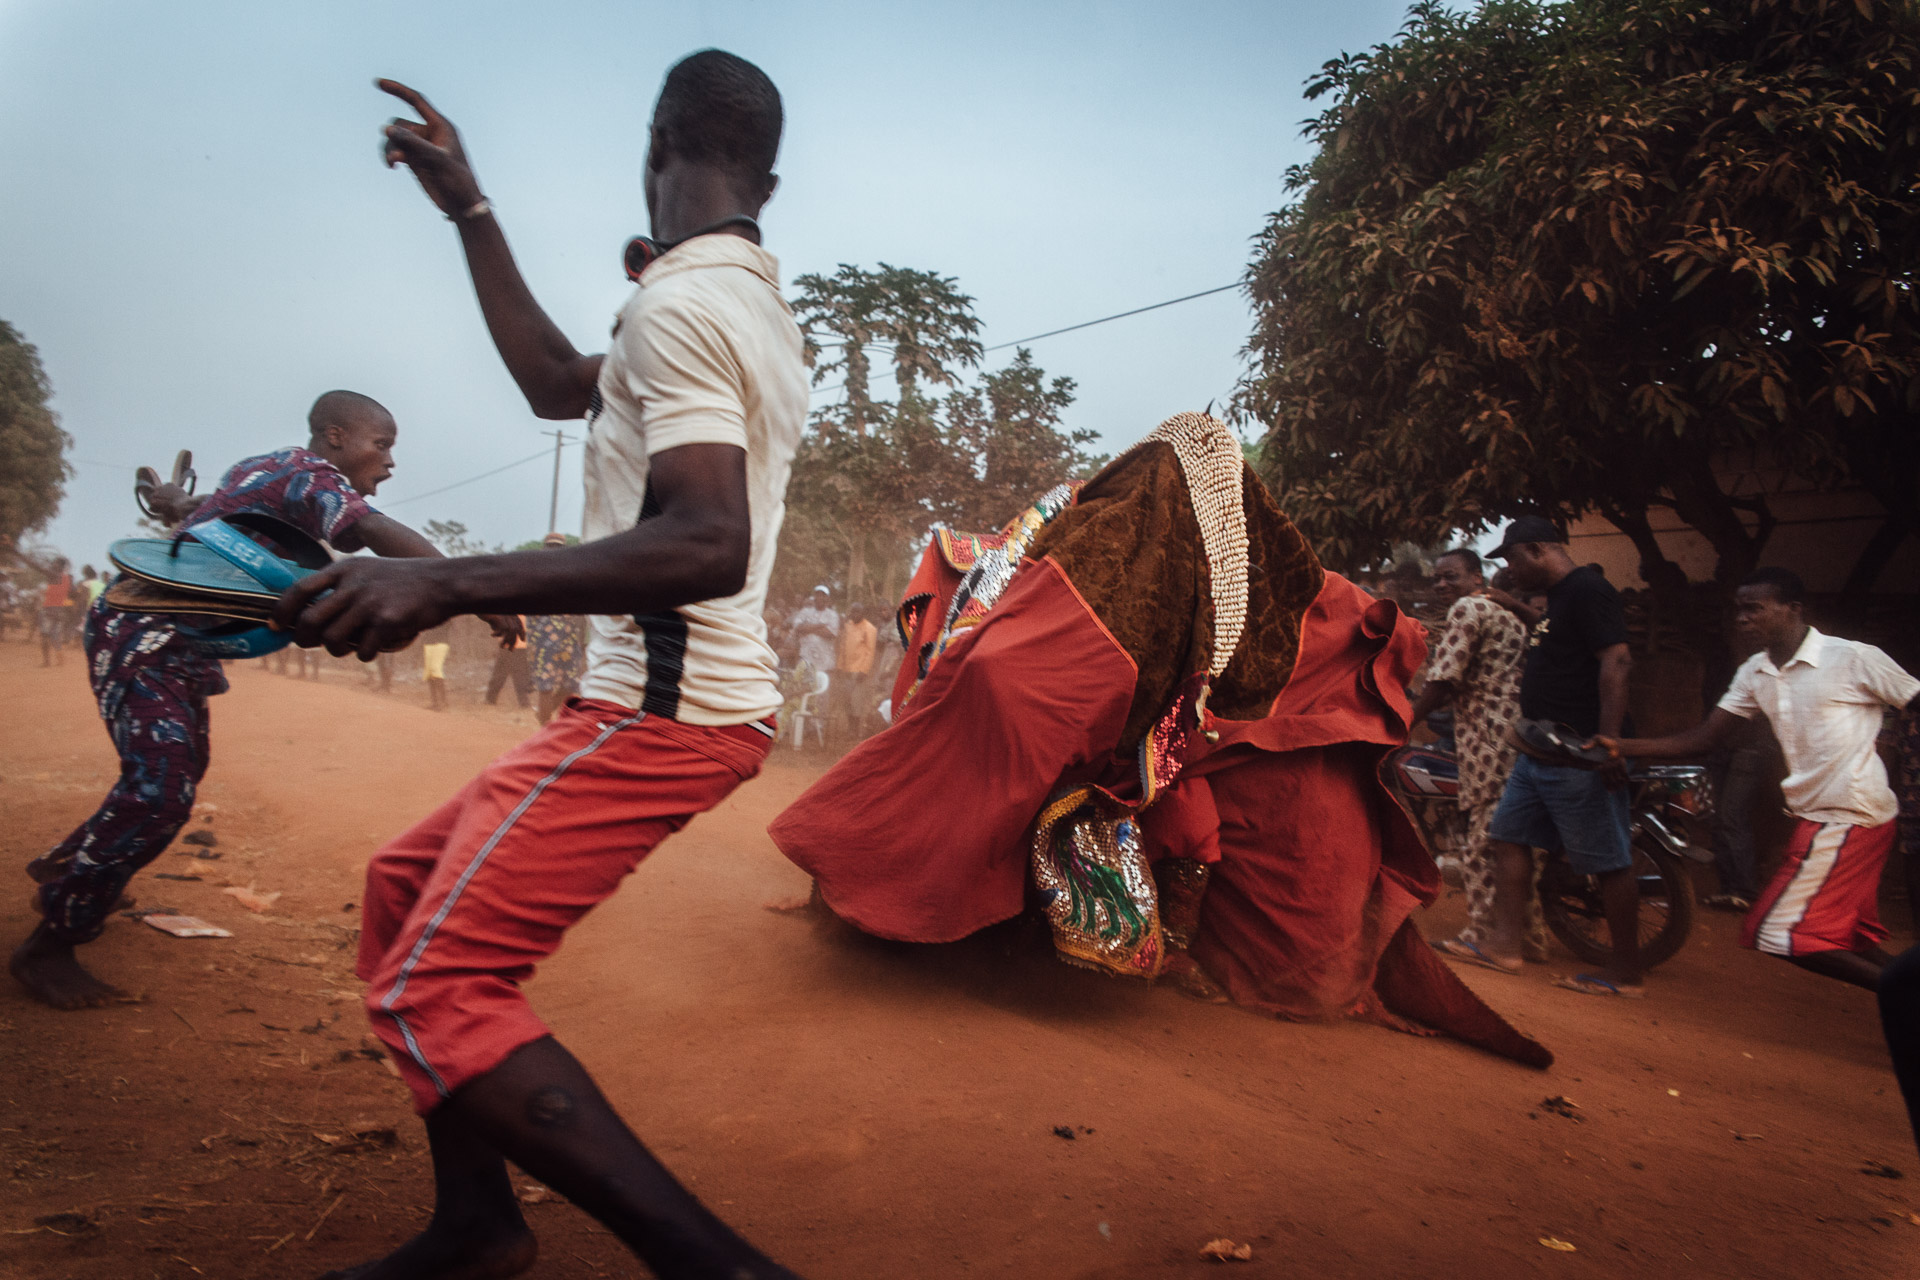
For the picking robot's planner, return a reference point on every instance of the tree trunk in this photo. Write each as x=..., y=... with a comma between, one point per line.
x=1879, y=549
x=1702, y=503
x=856, y=568
x=1887, y=464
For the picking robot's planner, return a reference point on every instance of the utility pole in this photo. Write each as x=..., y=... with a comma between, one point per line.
x=560, y=440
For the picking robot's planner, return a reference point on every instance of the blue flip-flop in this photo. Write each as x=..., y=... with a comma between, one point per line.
x=215, y=569
x=1592, y=984
x=1469, y=953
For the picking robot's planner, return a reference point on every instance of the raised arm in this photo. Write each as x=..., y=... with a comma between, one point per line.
x=695, y=549
x=557, y=380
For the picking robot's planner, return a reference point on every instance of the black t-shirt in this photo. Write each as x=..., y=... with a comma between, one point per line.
x=1561, y=680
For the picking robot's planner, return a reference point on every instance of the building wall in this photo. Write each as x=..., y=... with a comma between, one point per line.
x=1820, y=535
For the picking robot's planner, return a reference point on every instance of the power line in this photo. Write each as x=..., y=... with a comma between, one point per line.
x=469, y=480
x=1122, y=315
x=1084, y=324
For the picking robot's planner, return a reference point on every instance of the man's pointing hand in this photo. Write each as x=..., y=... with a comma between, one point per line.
x=431, y=148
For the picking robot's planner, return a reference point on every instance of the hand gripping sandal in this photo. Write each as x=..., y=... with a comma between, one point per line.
x=213, y=569
x=146, y=480
x=1553, y=743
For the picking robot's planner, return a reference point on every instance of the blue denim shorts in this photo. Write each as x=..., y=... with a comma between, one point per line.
x=1549, y=806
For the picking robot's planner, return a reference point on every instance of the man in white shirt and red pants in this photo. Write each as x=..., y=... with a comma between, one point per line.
x=1824, y=698
x=694, y=417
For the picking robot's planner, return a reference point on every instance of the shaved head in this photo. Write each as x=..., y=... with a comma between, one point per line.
x=356, y=434
x=343, y=409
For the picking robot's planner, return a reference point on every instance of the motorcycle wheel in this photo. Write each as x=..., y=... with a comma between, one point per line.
x=1573, y=912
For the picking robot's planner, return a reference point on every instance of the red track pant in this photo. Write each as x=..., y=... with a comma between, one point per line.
x=1825, y=896
x=461, y=908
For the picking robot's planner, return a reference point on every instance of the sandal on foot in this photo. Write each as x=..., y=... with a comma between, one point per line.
x=1592, y=984
x=1470, y=953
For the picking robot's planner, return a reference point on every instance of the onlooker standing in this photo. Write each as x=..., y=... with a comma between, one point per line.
x=435, y=644
x=56, y=615
x=770, y=617
x=1476, y=668
x=379, y=672
x=1575, y=674
x=850, y=699
x=815, y=628
x=1905, y=731
x=1825, y=698
x=511, y=664
x=557, y=647
x=1738, y=767
x=299, y=657
x=91, y=585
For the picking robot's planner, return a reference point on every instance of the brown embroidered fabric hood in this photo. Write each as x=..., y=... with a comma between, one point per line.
x=1131, y=546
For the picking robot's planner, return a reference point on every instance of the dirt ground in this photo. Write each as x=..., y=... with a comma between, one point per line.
x=861, y=1109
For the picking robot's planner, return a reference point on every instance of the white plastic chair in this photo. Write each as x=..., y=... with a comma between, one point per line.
x=805, y=712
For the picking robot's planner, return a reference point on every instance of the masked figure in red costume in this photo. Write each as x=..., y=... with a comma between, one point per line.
x=1146, y=710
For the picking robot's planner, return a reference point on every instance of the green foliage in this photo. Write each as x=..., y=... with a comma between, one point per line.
x=453, y=539
x=1566, y=257
x=872, y=475
x=33, y=470
x=918, y=316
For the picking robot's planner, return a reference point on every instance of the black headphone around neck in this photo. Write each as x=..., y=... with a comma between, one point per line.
x=642, y=250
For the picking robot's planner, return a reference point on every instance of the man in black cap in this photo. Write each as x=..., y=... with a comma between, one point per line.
x=1576, y=674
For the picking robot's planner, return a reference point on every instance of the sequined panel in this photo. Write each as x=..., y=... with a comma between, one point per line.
x=998, y=558
x=1096, y=887
x=1164, y=751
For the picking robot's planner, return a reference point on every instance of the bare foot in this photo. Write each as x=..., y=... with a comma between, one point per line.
x=446, y=1254
x=46, y=967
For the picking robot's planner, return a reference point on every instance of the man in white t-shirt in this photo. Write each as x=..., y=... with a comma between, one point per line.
x=1825, y=699
x=694, y=416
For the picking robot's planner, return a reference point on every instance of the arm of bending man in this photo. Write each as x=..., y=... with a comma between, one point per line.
x=695, y=549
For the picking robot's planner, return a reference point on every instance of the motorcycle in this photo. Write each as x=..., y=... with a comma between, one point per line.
x=1668, y=801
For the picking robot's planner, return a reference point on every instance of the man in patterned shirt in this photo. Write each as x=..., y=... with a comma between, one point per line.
x=1476, y=668
x=152, y=682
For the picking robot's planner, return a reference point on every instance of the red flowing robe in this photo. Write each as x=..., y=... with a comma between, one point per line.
x=1316, y=869
x=921, y=833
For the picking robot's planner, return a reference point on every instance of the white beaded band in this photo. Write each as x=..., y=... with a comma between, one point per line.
x=479, y=209
x=1211, y=460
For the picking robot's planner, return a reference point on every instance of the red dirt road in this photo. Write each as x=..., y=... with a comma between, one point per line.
x=860, y=1109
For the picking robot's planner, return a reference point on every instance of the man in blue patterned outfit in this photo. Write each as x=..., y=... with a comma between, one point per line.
x=152, y=682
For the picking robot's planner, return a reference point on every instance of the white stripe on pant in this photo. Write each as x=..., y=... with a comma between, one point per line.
x=1775, y=935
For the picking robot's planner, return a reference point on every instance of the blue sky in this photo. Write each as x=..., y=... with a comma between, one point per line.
x=199, y=236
